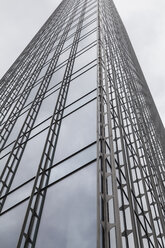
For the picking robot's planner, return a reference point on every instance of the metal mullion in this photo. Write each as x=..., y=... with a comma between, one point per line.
x=47, y=126
x=50, y=185
x=80, y=52
x=84, y=20
x=28, y=124
x=152, y=144
x=146, y=195
x=122, y=208
x=105, y=198
x=146, y=153
x=81, y=38
x=141, y=136
x=156, y=194
x=57, y=164
x=48, y=154
x=125, y=155
x=141, y=174
x=88, y=24
x=54, y=90
x=126, y=161
x=145, y=85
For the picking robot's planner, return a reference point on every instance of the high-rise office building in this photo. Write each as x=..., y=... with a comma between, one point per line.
x=82, y=145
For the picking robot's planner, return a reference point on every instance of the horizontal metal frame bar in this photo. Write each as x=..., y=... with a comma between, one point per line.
x=60, y=162
x=50, y=185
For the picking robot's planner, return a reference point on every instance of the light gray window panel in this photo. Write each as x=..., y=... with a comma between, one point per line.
x=43, y=71
x=16, y=129
x=85, y=58
x=68, y=42
x=88, y=40
x=4, y=160
x=50, y=56
x=81, y=102
x=77, y=130
x=39, y=127
x=82, y=85
x=90, y=10
x=18, y=195
x=72, y=30
x=30, y=159
x=32, y=94
x=73, y=163
x=90, y=17
x=47, y=107
x=10, y=226
x=7, y=115
x=69, y=215
x=63, y=57
x=57, y=77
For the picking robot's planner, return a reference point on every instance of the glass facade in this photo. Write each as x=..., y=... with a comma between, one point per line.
x=82, y=146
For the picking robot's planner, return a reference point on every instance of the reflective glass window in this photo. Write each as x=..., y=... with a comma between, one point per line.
x=69, y=215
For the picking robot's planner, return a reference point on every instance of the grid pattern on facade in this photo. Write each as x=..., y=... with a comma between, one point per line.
x=82, y=145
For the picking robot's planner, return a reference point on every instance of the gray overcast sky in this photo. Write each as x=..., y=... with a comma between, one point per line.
x=144, y=21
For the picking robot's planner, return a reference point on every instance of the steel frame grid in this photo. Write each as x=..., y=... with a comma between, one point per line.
x=121, y=68
x=64, y=109
x=50, y=168
x=16, y=95
x=107, y=225
x=130, y=156
x=147, y=122
x=36, y=202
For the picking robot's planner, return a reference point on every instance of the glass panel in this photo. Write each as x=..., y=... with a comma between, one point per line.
x=18, y=195
x=82, y=85
x=73, y=163
x=10, y=226
x=47, y=107
x=43, y=71
x=69, y=216
x=63, y=57
x=32, y=94
x=85, y=58
x=87, y=40
x=13, y=135
x=57, y=77
x=80, y=102
x=30, y=159
x=4, y=159
x=77, y=131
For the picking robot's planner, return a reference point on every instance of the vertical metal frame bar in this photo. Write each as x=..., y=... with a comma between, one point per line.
x=105, y=158
x=34, y=210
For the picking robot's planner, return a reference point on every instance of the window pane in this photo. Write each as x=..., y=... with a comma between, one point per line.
x=69, y=215
x=82, y=85
x=10, y=226
x=73, y=163
x=77, y=131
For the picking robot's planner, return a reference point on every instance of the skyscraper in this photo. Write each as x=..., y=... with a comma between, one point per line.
x=82, y=144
